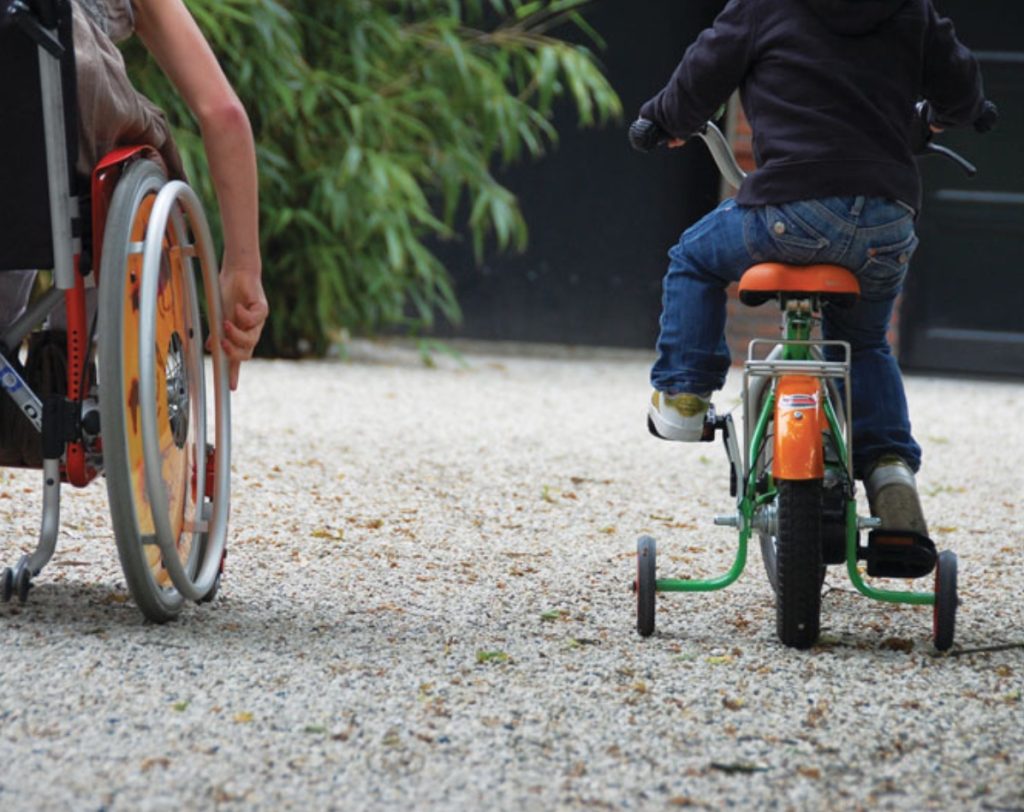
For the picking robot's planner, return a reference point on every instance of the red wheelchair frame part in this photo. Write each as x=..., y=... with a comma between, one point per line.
x=105, y=176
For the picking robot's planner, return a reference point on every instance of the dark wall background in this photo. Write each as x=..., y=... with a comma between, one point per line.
x=964, y=304
x=601, y=216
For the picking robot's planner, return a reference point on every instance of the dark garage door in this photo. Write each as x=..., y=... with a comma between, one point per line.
x=964, y=308
x=601, y=217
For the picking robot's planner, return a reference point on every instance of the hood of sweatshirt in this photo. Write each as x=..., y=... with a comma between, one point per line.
x=854, y=17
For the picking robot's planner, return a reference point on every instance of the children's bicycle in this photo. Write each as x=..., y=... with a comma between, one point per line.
x=793, y=480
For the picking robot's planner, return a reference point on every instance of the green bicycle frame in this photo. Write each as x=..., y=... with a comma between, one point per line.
x=797, y=346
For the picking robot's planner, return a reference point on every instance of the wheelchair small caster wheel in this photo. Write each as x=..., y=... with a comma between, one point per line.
x=644, y=586
x=23, y=583
x=944, y=614
x=6, y=585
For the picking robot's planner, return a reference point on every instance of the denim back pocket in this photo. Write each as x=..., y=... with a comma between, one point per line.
x=790, y=235
x=882, y=274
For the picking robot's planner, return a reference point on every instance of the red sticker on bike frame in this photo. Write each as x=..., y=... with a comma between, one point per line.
x=800, y=401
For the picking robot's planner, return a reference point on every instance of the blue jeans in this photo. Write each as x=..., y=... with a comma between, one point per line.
x=873, y=237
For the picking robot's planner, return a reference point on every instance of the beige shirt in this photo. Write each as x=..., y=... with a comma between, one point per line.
x=115, y=18
x=111, y=112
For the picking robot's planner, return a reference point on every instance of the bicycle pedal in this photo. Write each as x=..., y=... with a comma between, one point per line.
x=712, y=422
x=899, y=554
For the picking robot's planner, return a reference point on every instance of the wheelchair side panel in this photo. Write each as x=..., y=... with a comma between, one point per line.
x=799, y=419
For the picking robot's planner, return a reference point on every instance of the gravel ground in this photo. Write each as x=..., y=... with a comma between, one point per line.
x=428, y=606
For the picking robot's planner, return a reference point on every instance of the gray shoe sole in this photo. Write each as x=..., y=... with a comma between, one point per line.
x=892, y=495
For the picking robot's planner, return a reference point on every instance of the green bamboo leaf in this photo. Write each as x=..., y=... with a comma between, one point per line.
x=377, y=126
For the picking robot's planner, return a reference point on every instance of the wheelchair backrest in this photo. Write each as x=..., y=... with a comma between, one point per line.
x=26, y=27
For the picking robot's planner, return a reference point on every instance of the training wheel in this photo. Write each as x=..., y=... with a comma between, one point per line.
x=644, y=586
x=6, y=585
x=23, y=583
x=946, y=601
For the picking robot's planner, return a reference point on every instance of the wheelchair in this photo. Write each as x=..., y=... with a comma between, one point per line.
x=130, y=398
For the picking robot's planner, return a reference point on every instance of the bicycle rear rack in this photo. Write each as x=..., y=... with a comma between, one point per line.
x=773, y=366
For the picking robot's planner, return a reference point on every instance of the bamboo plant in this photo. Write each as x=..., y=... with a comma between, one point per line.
x=378, y=123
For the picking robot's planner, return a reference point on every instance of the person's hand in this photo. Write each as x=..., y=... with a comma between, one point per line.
x=245, y=311
x=986, y=122
x=675, y=143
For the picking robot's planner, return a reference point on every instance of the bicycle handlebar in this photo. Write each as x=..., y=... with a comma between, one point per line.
x=931, y=148
x=720, y=149
x=646, y=135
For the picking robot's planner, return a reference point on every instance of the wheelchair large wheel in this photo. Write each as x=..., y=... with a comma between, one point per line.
x=176, y=356
x=797, y=562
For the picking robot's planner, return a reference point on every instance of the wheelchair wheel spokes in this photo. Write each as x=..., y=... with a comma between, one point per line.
x=798, y=563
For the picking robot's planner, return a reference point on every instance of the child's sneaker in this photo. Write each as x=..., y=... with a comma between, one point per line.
x=892, y=495
x=677, y=417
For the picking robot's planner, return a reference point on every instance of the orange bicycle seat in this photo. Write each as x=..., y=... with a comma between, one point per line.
x=771, y=280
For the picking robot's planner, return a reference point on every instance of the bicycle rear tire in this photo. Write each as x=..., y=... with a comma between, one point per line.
x=798, y=562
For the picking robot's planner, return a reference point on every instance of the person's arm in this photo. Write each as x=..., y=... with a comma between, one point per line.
x=952, y=76
x=711, y=69
x=171, y=35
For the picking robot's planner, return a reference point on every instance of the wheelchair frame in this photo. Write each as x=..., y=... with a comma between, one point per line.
x=139, y=273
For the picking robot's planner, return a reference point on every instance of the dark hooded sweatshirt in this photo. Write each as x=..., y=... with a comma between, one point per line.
x=829, y=88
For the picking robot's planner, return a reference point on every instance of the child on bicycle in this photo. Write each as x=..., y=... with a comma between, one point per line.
x=829, y=88
x=112, y=113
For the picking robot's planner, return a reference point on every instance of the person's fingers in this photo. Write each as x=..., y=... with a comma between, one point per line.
x=249, y=316
x=244, y=340
x=234, y=367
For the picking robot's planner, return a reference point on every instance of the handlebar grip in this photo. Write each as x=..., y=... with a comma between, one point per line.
x=988, y=118
x=645, y=135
